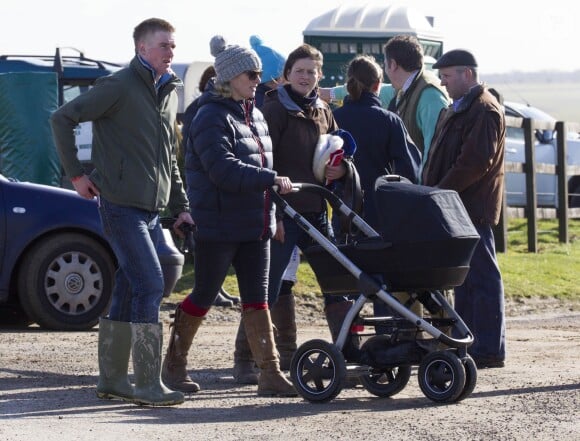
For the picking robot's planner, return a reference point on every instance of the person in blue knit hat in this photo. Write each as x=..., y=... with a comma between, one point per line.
x=272, y=67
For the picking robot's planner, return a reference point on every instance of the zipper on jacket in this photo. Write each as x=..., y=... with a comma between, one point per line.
x=247, y=116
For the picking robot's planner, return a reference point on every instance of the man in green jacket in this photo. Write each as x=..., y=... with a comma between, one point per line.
x=133, y=114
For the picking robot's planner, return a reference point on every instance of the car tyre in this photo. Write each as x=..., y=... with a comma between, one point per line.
x=65, y=282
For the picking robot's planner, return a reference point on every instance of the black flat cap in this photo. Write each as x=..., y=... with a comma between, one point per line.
x=456, y=57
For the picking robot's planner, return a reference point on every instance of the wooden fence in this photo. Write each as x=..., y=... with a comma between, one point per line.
x=562, y=170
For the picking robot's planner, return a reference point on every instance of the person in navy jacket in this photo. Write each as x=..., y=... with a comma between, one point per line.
x=228, y=169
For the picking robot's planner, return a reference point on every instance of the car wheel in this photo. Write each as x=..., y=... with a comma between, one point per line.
x=12, y=316
x=65, y=282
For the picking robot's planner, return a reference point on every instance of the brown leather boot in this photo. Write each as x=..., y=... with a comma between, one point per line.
x=283, y=315
x=245, y=370
x=174, y=372
x=272, y=381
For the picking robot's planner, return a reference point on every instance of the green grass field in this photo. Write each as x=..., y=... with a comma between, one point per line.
x=552, y=272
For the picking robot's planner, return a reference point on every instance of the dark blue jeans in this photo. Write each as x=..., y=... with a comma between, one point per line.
x=134, y=235
x=212, y=262
x=480, y=300
x=280, y=253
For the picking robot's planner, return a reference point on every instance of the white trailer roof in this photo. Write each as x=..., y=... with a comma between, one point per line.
x=372, y=21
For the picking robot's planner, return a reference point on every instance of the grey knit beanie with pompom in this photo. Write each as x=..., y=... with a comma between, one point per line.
x=232, y=60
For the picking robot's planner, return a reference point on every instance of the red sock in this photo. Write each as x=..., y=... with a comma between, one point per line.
x=192, y=309
x=254, y=306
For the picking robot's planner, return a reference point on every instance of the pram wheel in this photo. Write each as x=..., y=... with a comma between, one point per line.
x=470, y=377
x=386, y=382
x=318, y=371
x=442, y=376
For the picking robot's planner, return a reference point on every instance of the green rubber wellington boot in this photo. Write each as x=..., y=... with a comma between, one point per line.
x=114, y=350
x=149, y=389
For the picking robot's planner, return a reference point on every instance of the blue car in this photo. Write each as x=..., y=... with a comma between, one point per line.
x=55, y=264
x=54, y=261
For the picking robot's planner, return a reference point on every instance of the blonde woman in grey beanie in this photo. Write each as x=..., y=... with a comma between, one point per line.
x=228, y=168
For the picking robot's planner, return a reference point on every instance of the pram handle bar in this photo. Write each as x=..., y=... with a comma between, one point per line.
x=335, y=202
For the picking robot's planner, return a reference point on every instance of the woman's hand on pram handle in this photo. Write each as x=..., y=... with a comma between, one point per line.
x=282, y=184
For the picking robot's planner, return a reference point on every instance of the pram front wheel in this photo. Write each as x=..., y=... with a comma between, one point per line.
x=442, y=376
x=470, y=377
x=318, y=371
x=386, y=382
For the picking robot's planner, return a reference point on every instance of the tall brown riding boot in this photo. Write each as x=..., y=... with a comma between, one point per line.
x=283, y=315
x=245, y=370
x=261, y=339
x=174, y=373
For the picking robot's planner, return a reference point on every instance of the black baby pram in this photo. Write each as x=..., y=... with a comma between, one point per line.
x=424, y=245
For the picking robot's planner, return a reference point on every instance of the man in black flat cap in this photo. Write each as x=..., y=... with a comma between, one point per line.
x=467, y=155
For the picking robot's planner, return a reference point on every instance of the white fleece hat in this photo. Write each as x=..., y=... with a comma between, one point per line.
x=327, y=144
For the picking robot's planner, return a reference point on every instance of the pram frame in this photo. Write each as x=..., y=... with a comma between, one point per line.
x=369, y=287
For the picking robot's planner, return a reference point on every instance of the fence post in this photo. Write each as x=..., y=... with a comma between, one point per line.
x=562, y=211
x=500, y=230
x=530, y=171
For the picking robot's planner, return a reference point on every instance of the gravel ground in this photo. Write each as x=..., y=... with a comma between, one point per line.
x=47, y=391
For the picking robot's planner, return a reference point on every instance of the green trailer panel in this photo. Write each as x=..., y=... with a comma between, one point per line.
x=27, y=150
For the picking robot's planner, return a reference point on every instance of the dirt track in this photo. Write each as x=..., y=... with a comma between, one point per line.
x=47, y=392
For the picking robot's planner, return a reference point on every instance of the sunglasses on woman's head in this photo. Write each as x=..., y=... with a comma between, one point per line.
x=253, y=74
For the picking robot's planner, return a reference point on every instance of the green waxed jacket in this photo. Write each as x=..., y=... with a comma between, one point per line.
x=134, y=139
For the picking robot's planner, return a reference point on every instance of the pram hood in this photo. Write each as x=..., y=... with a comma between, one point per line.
x=415, y=213
x=426, y=242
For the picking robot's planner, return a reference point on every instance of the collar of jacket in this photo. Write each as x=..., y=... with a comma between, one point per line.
x=465, y=101
x=289, y=103
x=366, y=98
x=411, y=84
x=148, y=74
